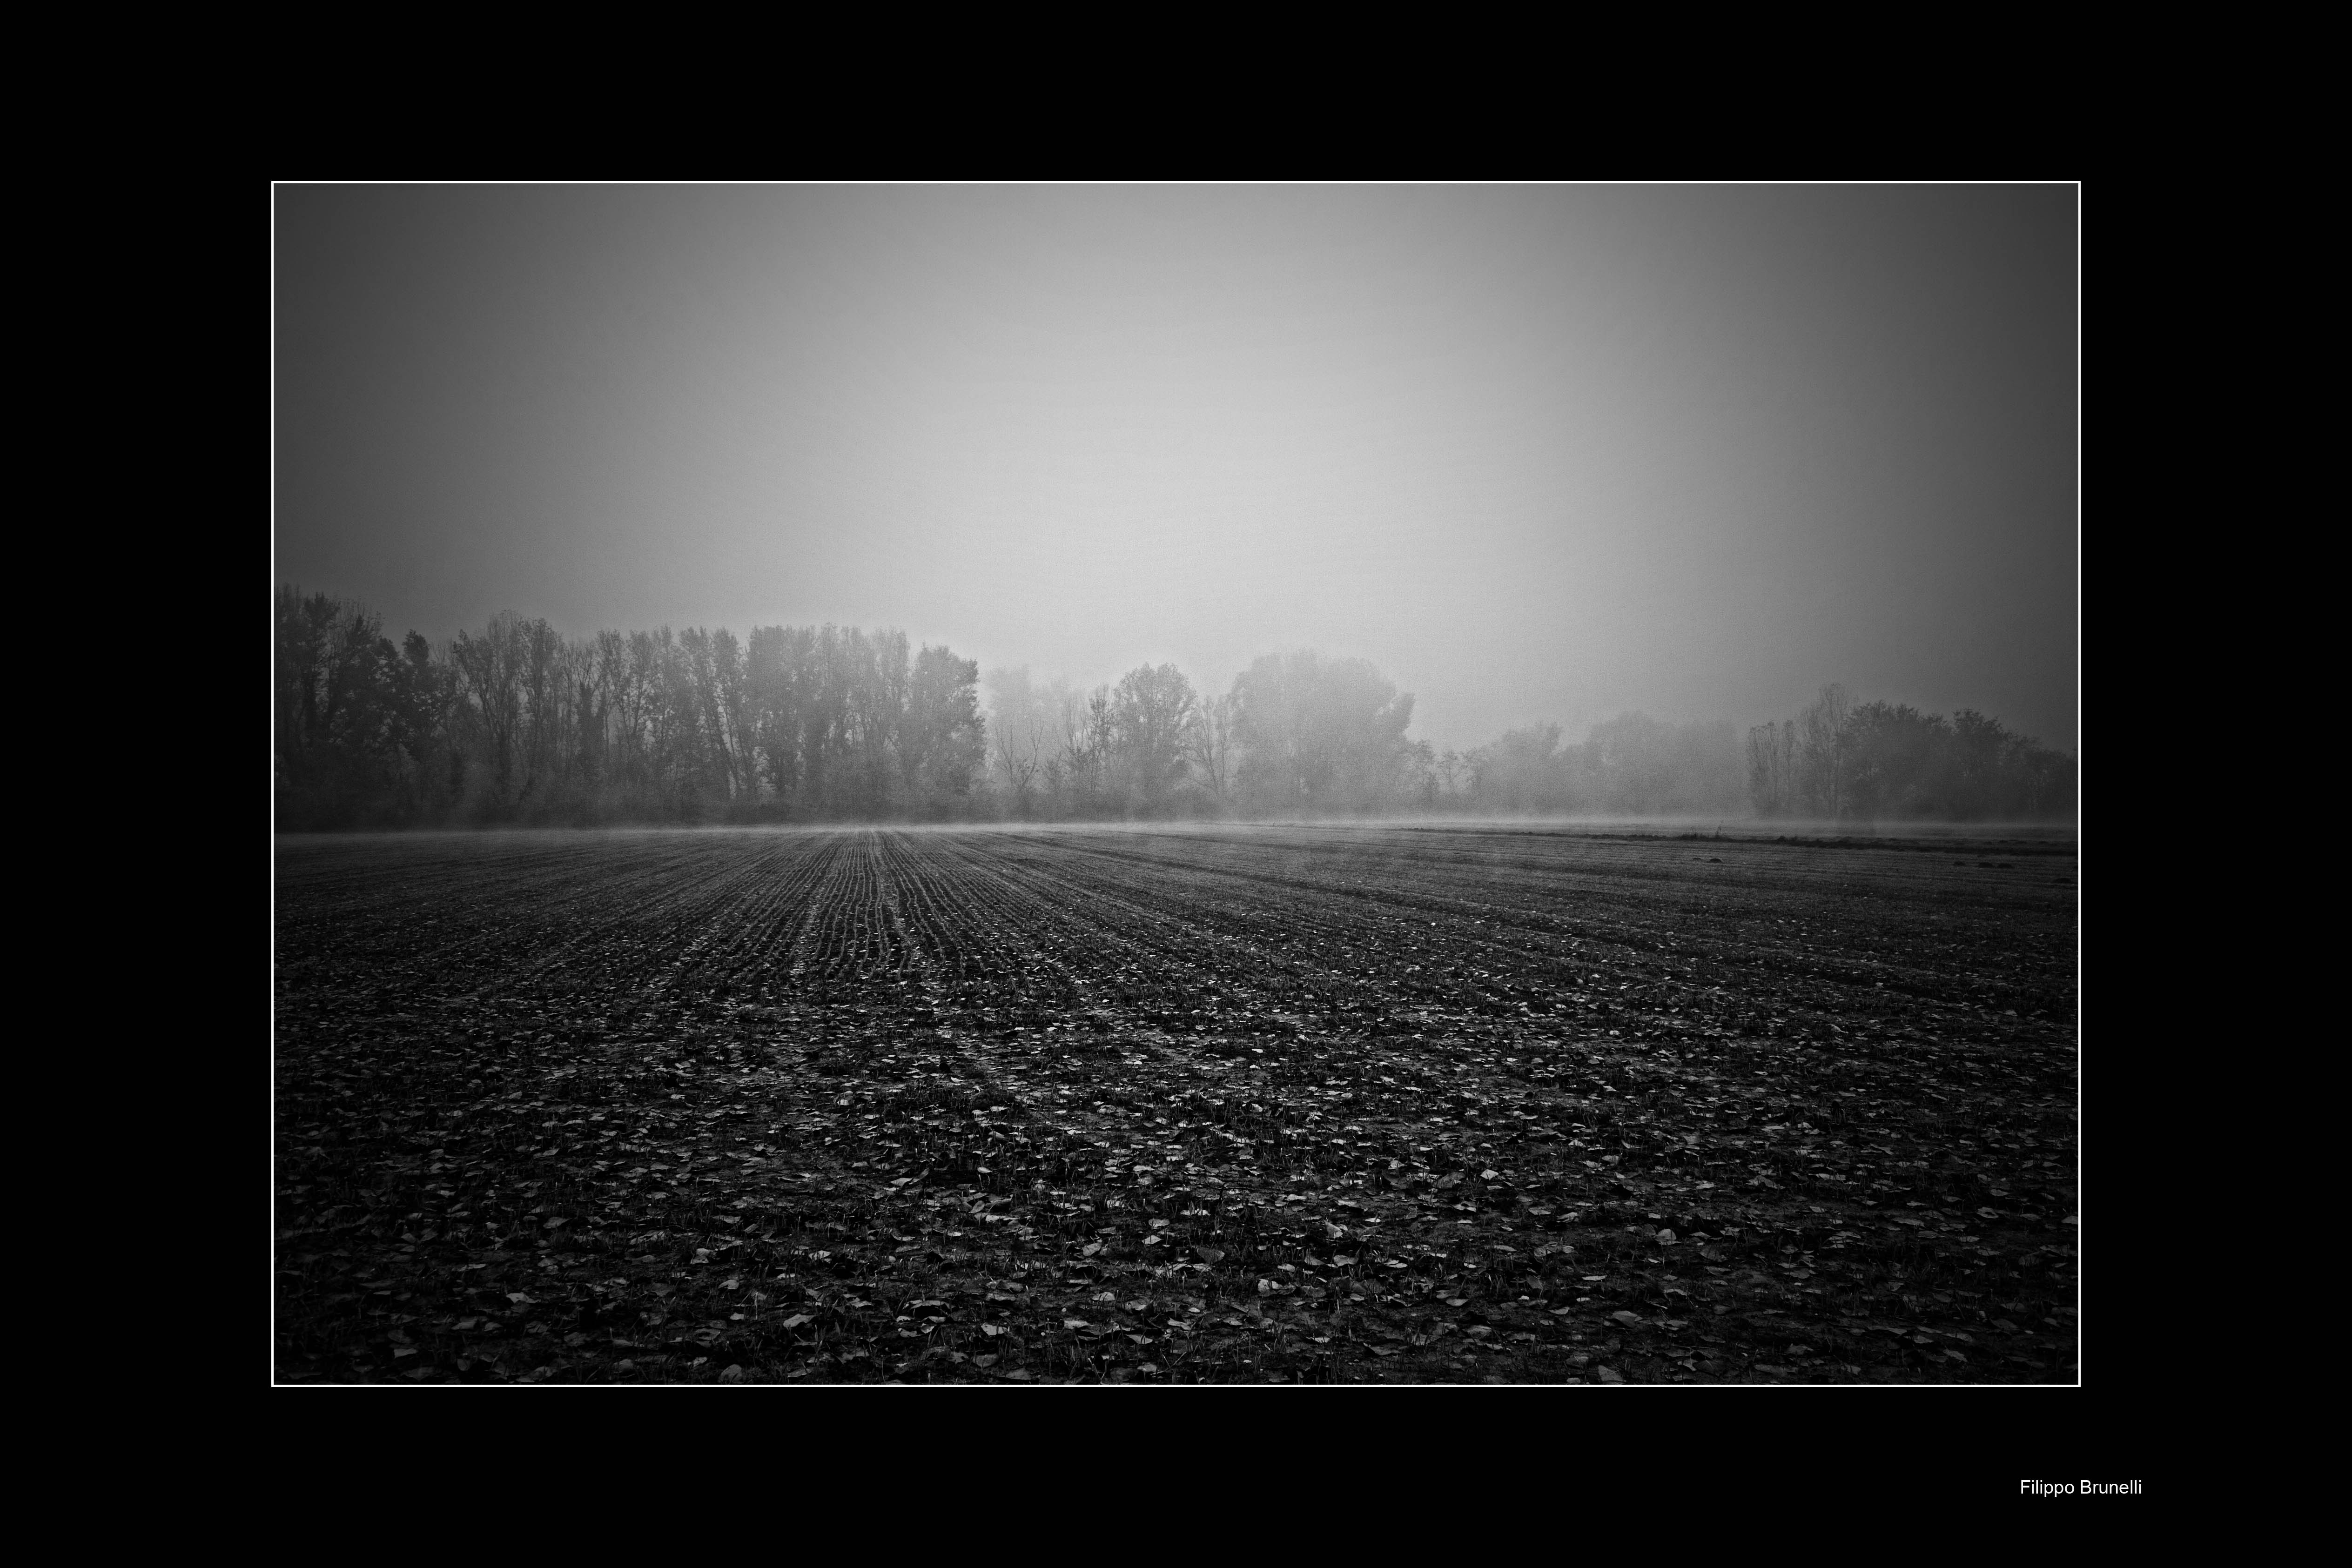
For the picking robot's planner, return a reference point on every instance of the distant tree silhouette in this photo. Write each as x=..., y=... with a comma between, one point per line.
x=1844, y=761
x=1317, y=734
x=1152, y=712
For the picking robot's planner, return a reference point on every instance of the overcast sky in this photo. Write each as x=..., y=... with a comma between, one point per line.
x=1536, y=453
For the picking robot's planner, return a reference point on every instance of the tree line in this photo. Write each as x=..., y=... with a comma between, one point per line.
x=1841, y=761
x=1295, y=733
x=517, y=724
x=1633, y=765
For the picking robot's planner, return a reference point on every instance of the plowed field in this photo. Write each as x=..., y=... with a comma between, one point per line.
x=1317, y=1104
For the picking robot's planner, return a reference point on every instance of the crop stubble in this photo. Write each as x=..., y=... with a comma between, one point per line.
x=1175, y=1105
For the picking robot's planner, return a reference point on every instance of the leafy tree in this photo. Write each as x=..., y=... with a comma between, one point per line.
x=338, y=714
x=1318, y=735
x=1151, y=715
x=942, y=740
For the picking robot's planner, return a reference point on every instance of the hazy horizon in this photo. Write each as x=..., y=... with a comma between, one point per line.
x=1539, y=453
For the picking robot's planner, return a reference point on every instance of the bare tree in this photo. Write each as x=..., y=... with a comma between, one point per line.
x=1772, y=768
x=1822, y=751
x=1209, y=742
x=1022, y=721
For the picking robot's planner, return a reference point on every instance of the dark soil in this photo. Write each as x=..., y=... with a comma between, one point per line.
x=1316, y=1103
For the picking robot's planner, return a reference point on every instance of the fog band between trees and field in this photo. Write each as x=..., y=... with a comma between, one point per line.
x=518, y=724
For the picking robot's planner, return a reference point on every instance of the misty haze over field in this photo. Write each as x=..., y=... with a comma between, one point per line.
x=1302, y=785
x=1555, y=485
